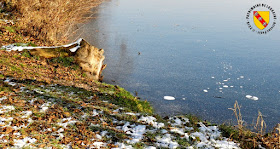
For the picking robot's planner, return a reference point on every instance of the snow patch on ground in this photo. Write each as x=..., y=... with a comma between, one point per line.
x=166, y=141
x=44, y=107
x=3, y=120
x=177, y=130
x=66, y=121
x=136, y=132
x=4, y=109
x=98, y=144
x=210, y=137
x=3, y=98
x=122, y=146
x=26, y=114
x=151, y=120
x=95, y=113
x=25, y=142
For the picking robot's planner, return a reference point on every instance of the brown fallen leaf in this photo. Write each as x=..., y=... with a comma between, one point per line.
x=7, y=130
x=42, y=145
x=67, y=114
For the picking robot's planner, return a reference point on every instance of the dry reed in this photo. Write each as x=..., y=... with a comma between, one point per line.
x=249, y=139
x=237, y=112
x=51, y=21
x=260, y=124
x=278, y=129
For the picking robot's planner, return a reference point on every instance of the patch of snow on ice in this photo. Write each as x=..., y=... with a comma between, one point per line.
x=252, y=97
x=169, y=98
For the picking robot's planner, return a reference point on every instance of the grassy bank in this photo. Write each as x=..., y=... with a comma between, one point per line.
x=63, y=71
x=55, y=96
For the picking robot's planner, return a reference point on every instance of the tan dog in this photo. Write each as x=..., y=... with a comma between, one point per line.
x=91, y=60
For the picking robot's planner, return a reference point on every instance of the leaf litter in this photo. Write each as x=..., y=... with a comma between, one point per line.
x=49, y=115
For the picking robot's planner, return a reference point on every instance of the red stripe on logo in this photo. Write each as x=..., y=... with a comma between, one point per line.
x=258, y=16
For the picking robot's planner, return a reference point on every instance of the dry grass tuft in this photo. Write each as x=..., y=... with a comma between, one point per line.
x=237, y=112
x=249, y=139
x=278, y=129
x=51, y=21
x=260, y=125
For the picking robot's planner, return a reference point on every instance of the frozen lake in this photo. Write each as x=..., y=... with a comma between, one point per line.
x=200, y=52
